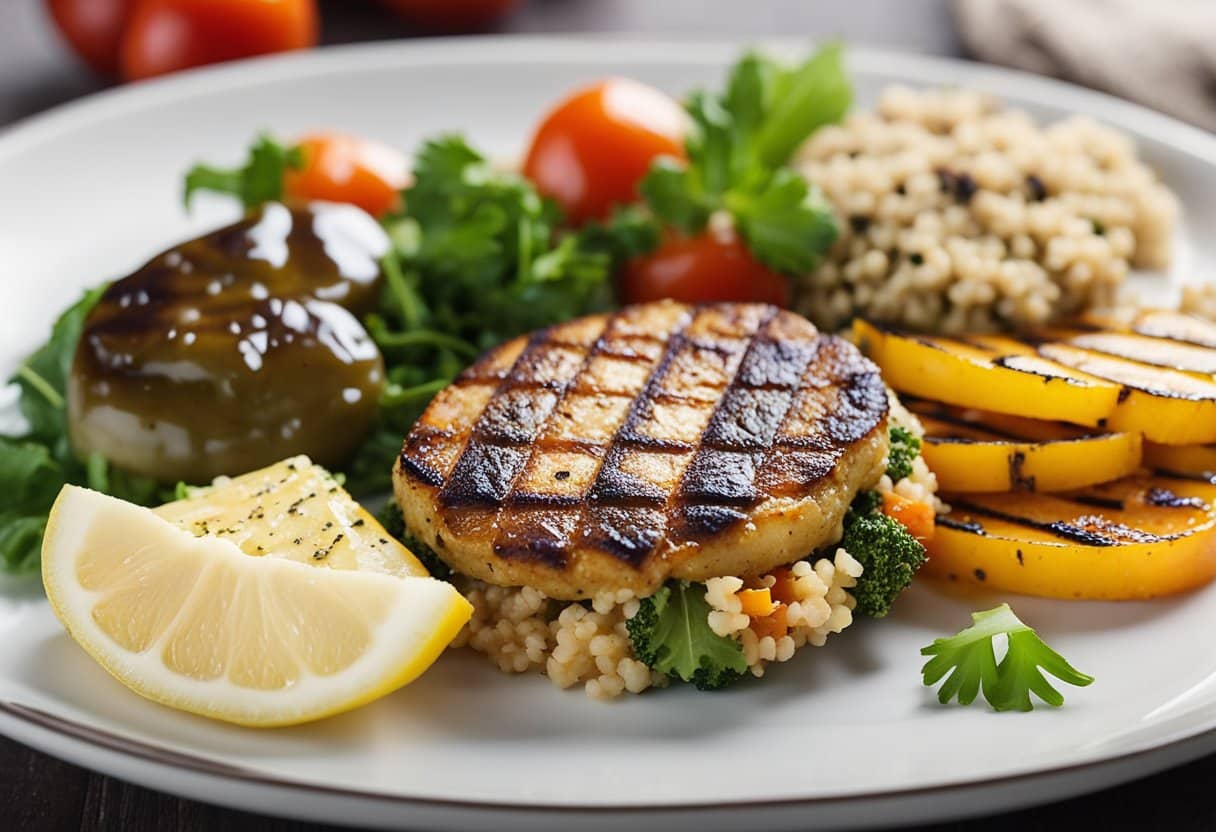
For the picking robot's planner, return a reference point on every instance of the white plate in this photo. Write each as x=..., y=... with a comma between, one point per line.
x=842, y=736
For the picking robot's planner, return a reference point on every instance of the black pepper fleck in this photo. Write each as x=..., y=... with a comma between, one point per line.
x=1038, y=191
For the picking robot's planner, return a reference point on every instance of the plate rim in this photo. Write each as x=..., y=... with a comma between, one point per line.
x=45, y=728
x=46, y=724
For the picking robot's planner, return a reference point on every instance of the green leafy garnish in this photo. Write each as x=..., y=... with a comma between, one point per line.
x=970, y=660
x=670, y=633
x=36, y=464
x=259, y=180
x=905, y=448
x=737, y=152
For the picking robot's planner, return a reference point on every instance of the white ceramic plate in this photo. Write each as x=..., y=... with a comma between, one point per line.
x=845, y=736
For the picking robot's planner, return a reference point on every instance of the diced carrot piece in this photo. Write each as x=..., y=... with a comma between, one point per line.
x=917, y=517
x=756, y=602
x=782, y=590
x=776, y=624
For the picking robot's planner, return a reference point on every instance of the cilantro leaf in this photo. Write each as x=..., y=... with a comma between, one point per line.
x=259, y=180
x=969, y=659
x=670, y=633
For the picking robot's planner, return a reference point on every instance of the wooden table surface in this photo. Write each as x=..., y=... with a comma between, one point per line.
x=39, y=792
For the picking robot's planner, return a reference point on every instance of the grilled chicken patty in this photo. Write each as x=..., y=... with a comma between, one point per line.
x=617, y=451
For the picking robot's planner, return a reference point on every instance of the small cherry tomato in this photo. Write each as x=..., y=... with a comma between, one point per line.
x=702, y=269
x=167, y=35
x=452, y=14
x=592, y=150
x=343, y=168
x=93, y=28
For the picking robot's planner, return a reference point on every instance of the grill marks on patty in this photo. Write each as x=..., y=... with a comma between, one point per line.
x=657, y=423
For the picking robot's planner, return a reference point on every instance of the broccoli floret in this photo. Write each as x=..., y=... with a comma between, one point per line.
x=905, y=447
x=889, y=554
x=671, y=634
x=393, y=520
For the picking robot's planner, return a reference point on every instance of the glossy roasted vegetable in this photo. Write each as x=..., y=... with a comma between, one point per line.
x=1139, y=537
x=1159, y=323
x=1058, y=379
x=973, y=451
x=235, y=349
x=1166, y=406
x=981, y=376
x=1189, y=460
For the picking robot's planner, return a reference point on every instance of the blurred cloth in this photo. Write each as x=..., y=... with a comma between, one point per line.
x=1161, y=53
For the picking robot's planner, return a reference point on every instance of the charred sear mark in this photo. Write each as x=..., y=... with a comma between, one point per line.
x=629, y=534
x=1166, y=498
x=771, y=363
x=747, y=418
x=720, y=477
x=421, y=447
x=1096, y=523
x=515, y=415
x=858, y=410
x=1018, y=480
x=537, y=535
x=1098, y=501
x=1086, y=530
x=968, y=526
x=791, y=471
x=696, y=522
x=1208, y=479
x=615, y=486
x=483, y=475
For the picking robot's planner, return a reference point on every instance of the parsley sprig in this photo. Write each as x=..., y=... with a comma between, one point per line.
x=969, y=658
x=738, y=149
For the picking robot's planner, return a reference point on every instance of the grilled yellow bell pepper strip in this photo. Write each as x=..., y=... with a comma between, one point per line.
x=1190, y=460
x=973, y=375
x=972, y=451
x=1167, y=406
x=1140, y=537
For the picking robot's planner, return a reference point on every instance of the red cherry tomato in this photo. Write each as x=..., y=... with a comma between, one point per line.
x=167, y=35
x=453, y=14
x=343, y=168
x=702, y=269
x=93, y=28
x=592, y=150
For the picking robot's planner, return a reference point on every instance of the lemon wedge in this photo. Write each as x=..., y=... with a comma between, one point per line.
x=191, y=621
x=293, y=509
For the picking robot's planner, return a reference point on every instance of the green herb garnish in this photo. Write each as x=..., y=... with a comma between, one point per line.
x=671, y=634
x=258, y=181
x=37, y=463
x=970, y=660
x=737, y=155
